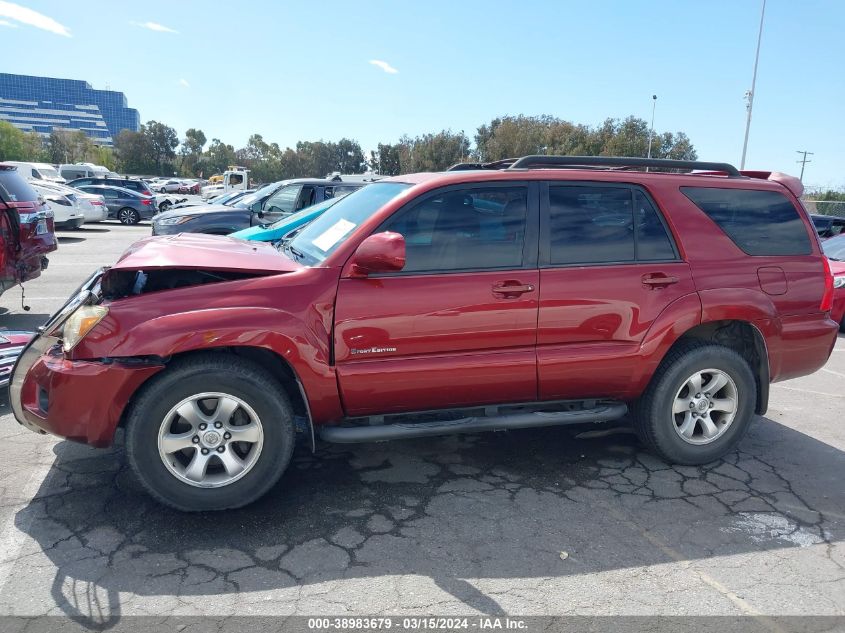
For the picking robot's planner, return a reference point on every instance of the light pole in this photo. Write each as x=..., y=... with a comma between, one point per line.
x=804, y=160
x=750, y=94
x=651, y=129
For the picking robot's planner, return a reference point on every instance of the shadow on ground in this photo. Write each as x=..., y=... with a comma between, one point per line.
x=498, y=505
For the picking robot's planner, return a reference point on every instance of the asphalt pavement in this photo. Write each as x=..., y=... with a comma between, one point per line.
x=565, y=521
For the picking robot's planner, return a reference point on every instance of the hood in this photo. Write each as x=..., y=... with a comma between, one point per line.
x=196, y=210
x=196, y=251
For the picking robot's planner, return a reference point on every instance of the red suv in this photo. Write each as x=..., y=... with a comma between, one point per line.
x=26, y=230
x=534, y=292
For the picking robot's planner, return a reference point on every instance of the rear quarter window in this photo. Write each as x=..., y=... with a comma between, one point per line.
x=759, y=222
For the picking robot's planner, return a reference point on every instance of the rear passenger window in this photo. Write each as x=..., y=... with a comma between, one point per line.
x=653, y=242
x=758, y=222
x=591, y=225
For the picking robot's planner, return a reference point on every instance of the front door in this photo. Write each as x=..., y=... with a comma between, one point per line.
x=457, y=326
x=609, y=267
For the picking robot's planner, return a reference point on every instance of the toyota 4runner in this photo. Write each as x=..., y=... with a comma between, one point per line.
x=525, y=293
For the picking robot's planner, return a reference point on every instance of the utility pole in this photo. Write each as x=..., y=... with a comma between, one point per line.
x=804, y=160
x=750, y=94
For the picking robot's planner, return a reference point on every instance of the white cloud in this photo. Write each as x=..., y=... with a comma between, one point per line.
x=390, y=70
x=9, y=24
x=155, y=26
x=184, y=83
x=31, y=18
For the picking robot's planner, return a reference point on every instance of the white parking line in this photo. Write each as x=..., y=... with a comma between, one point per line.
x=817, y=393
x=835, y=373
x=12, y=537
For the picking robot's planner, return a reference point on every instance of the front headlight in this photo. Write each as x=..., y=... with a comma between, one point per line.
x=179, y=219
x=839, y=282
x=80, y=323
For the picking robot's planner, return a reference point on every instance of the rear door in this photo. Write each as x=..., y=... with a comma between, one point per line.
x=608, y=267
x=457, y=326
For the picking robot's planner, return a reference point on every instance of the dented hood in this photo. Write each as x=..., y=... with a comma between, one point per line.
x=207, y=252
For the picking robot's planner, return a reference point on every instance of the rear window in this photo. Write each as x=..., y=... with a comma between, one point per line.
x=759, y=222
x=15, y=188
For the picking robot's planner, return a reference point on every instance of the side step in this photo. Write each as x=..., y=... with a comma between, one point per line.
x=603, y=412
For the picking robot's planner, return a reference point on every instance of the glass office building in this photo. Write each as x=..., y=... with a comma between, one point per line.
x=42, y=104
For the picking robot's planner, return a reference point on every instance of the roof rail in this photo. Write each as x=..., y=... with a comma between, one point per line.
x=496, y=164
x=527, y=162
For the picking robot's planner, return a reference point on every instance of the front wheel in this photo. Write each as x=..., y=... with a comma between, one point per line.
x=210, y=433
x=128, y=216
x=699, y=404
x=164, y=206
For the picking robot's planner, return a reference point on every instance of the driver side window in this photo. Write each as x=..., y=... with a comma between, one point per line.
x=283, y=201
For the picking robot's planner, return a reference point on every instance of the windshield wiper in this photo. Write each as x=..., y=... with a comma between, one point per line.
x=295, y=254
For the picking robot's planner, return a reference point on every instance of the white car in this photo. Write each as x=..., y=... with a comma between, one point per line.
x=168, y=186
x=166, y=200
x=66, y=212
x=92, y=206
x=210, y=191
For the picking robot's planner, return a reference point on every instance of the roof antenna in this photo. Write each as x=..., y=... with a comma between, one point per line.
x=25, y=307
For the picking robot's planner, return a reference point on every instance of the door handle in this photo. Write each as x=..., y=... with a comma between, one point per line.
x=511, y=289
x=659, y=280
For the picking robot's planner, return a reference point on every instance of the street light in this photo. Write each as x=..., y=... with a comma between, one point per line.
x=651, y=130
x=750, y=94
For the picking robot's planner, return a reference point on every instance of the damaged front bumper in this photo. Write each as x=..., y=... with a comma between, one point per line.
x=81, y=400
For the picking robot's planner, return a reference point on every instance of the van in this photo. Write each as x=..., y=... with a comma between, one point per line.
x=83, y=170
x=37, y=171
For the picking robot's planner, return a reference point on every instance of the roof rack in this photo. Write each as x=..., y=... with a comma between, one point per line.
x=601, y=162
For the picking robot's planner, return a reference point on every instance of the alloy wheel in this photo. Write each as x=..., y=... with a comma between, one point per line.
x=705, y=406
x=210, y=440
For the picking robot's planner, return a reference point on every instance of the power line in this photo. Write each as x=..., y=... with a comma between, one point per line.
x=804, y=160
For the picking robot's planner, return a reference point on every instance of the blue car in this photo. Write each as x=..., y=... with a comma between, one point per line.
x=280, y=229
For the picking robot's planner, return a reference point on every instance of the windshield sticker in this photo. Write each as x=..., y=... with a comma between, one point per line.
x=333, y=235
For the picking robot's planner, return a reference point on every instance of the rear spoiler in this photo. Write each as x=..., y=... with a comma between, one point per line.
x=793, y=184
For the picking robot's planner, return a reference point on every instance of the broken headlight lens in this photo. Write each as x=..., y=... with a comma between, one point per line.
x=839, y=282
x=80, y=323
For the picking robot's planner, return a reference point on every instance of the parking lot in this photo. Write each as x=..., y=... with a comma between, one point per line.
x=559, y=521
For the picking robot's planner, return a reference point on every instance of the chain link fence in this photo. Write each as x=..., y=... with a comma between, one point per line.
x=825, y=207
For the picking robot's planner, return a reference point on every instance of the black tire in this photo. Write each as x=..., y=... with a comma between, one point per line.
x=219, y=372
x=163, y=207
x=654, y=422
x=128, y=216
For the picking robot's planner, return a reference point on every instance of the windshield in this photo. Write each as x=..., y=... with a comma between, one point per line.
x=834, y=248
x=325, y=234
x=48, y=173
x=248, y=201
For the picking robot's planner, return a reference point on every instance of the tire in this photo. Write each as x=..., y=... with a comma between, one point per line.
x=128, y=216
x=662, y=431
x=235, y=379
x=163, y=190
x=163, y=207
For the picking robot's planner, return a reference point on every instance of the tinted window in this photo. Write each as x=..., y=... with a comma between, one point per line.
x=653, y=242
x=590, y=225
x=758, y=222
x=471, y=229
x=15, y=188
x=284, y=200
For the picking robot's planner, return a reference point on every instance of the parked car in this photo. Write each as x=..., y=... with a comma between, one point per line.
x=267, y=205
x=26, y=230
x=828, y=225
x=489, y=298
x=284, y=227
x=37, y=171
x=65, y=208
x=834, y=248
x=92, y=206
x=128, y=207
x=12, y=343
x=228, y=198
x=132, y=184
x=169, y=186
x=165, y=201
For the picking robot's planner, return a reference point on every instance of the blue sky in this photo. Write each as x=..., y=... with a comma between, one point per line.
x=301, y=70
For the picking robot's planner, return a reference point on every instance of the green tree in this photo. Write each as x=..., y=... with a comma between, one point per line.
x=432, y=152
x=218, y=157
x=134, y=154
x=16, y=144
x=68, y=146
x=387, y=160
x=191, y=151
x=162, y=141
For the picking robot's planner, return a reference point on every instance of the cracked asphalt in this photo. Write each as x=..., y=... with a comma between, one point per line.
x=457, y=525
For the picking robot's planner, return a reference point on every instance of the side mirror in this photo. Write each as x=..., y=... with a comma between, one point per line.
x=379, y=253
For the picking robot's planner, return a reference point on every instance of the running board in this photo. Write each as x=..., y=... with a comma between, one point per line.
x=475, y=424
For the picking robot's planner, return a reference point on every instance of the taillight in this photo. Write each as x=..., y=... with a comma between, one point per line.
x=96, y=203
x=146, y=201
x=827, y=298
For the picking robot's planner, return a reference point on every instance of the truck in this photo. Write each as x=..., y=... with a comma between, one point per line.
x=235, y=178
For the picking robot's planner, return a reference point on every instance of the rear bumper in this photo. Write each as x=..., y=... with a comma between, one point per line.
x=78, y=400
x=802, y=346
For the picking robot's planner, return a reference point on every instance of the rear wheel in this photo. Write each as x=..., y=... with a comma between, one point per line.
x=699, y=404
x=210, y=433
x=164, y=206
x=127, y=215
